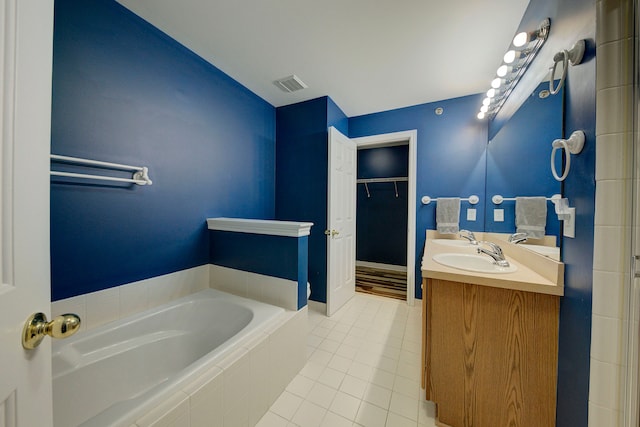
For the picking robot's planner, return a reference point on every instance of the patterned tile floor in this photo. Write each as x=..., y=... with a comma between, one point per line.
x=363, y=370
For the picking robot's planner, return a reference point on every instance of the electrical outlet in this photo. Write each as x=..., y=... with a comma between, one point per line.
x=498, y=215
x=569, y=224
x=471, y=214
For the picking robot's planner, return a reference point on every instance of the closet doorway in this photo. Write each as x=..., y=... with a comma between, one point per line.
x=385, y=212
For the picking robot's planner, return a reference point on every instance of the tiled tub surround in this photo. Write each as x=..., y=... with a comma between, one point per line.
x=273, y=248
x=237, y=389
x=613, y=221
x=271, y=290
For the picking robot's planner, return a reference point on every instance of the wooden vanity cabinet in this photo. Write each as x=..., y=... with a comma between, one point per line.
x=489, y=355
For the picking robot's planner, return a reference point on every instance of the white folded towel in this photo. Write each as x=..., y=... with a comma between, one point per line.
x=448, y=215
x=531, y=216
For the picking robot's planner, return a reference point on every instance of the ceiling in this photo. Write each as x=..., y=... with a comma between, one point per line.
x=367, y=55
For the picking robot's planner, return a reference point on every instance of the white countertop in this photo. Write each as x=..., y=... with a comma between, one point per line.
x=535, y=273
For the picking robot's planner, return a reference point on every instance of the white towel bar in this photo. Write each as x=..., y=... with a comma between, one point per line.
x=498, y=199
x=473, y=200
x=140, y=173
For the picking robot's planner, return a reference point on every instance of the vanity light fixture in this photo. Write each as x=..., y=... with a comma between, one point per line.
x=524, y=48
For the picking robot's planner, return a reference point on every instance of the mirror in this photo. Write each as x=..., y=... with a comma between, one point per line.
x=518, y=162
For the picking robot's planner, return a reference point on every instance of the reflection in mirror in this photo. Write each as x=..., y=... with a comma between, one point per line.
x=518, y=163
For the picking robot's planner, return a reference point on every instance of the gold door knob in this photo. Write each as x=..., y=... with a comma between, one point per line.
x=37, y=327
x=334, y=232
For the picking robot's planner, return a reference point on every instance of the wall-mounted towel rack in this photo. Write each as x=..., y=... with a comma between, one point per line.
x=473, y=200
x=498, y=199
x=367, y=181
x=140, y=173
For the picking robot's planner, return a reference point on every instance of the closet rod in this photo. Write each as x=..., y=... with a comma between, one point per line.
x=371, y=180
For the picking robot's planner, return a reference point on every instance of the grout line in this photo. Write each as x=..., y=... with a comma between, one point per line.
x=375, y=328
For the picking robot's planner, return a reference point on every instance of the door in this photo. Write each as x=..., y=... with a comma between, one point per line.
x=26, y=35
x=341, y=221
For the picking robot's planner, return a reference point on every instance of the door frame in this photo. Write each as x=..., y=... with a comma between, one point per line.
x=409, y=137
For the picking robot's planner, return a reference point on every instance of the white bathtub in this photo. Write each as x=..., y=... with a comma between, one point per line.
x=115, y=374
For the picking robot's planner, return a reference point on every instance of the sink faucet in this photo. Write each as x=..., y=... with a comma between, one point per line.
x=518, y=238
x=495, y=253
x=466, y=234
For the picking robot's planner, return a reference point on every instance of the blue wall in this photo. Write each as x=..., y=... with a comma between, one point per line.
x=125, y=92
x=450, y=157
x=381, y=223
x=577, y=254
x=571, y=20
x=301, y=175
x=518, y=160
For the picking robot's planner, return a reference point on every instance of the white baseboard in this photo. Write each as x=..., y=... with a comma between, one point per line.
x=318, y=307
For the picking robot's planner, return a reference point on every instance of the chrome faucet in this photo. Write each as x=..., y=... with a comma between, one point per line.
x=516, y=238
x=466, y=234
x=495, y=253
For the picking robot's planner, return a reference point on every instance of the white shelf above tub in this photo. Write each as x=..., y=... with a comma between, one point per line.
x=261, y=226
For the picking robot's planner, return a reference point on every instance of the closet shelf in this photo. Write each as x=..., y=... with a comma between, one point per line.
x=395, y=180
x=372, y=180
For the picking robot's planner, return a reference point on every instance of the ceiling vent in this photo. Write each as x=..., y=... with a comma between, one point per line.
x=290, y=84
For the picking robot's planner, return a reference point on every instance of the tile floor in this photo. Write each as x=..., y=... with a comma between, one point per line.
x=363, y=369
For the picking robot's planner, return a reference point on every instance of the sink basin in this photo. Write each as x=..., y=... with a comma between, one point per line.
x=452, y=242
x=472, y=262
x=548, y=251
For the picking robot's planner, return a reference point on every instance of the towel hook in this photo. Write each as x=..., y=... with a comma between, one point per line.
x=573, y=145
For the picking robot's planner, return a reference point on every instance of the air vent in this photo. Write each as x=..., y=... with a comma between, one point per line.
x=290, y=84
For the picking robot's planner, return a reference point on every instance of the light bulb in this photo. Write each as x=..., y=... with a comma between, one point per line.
x=484, y=109
x=480, y=115
x=521, y=39
x=495, y=83
x=491, y=93
x=502, y=70
x=486, y=101
x=509, y=57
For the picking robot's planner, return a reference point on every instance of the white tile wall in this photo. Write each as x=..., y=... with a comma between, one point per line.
x=614, y=174
x=272, y=290
x=98, y=308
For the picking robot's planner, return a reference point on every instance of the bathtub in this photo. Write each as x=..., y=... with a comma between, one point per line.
x=115, y=374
